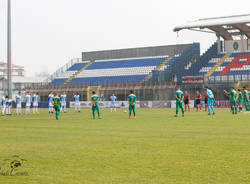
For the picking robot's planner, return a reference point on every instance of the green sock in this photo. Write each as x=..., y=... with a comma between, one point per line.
x=182, y=110
x=130, y=110
x=235, y=110
x=98, y=111
x=93, y=113
x=134, y=110
x=232, y=109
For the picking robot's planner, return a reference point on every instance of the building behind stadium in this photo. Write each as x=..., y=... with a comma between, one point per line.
x=19, y=79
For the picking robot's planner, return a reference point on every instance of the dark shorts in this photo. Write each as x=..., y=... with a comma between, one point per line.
x=186, y=102
x=205, y=100
x=198, y=101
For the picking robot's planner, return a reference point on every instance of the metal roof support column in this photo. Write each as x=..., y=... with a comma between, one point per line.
x=219, y=43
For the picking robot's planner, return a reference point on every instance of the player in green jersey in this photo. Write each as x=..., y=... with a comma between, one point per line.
x=131, y=101
x=57, y=105
x=246, y=99
x=232, y=98
x=179, y=101
x=95, y=105
x=240, y=100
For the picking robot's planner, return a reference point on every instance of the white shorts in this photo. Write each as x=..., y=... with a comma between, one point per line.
x=35, y=104
x=3, y=106
x=50, y=104
x=19, y=106
x=77, y=104
x=27, y=104
x=63, y=103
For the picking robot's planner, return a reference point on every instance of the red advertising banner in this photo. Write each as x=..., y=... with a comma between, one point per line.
x=222, y=104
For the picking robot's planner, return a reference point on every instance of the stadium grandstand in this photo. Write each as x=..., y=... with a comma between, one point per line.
x=153, y=72
x=121, y=66
x=117, y=70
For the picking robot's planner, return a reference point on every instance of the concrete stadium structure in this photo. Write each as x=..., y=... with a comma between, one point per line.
x=154, y=72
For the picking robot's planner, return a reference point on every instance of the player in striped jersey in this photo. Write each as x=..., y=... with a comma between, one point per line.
x=3, y=105
x=50, y=99
x=113, y=103
x=8, y=105
x=63, y=102
x=77, y=102
x=35, y=102
x=28, y=103
x=19, y=104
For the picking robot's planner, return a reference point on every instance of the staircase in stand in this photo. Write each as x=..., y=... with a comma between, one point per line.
x=217, y=65
x=157, y=68
x=78, y=72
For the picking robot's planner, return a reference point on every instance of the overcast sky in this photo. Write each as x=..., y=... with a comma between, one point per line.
x=48, y=33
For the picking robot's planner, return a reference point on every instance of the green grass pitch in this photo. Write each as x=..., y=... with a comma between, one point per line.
x=155, y=148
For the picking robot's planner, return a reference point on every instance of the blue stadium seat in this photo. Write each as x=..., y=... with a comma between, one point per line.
x=77, y=66
x=112, y=71
x=236, y=64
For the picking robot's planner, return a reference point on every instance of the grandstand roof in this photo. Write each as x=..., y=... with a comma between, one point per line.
x=227, y=27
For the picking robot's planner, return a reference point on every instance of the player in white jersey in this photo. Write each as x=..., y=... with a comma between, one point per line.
x=3, y=105
x=35, y=102
x=19, y=104
x=51, y=106
x=77, y=102
x=113, y=103
x=64, y=102
x=28, y=103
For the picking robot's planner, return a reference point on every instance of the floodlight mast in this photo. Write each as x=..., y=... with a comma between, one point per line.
x=9, y=58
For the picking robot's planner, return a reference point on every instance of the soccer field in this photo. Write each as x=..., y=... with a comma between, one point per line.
x=155, y=148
